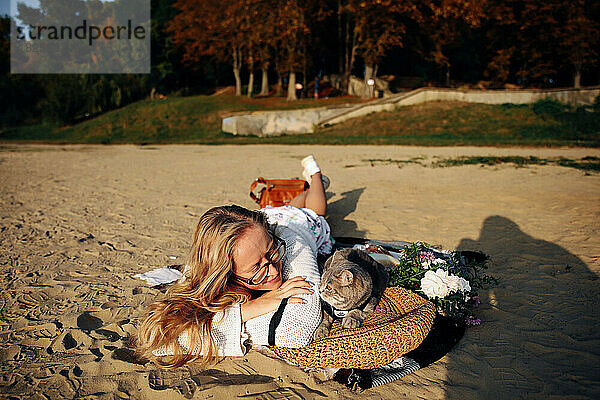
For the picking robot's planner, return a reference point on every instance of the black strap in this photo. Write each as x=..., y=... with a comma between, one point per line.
x=275, y=320
x=328, y=308
x=331, y=310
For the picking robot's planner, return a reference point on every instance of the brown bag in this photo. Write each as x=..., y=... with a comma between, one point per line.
x=277, y=192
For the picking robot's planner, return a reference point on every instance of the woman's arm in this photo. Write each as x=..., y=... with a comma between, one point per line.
x=270, y=301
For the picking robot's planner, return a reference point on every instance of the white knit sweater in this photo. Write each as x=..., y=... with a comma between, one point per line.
x=298, y=322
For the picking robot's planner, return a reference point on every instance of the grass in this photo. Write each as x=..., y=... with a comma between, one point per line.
x=586, y=164
x=197, y=119
x=455, y=123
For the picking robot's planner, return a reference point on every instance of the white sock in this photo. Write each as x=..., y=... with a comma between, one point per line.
x=310, y=166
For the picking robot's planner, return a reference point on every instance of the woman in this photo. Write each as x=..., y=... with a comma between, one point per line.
x=242, y=265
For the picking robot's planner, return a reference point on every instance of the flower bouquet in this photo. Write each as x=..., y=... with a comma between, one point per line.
x=449, y=279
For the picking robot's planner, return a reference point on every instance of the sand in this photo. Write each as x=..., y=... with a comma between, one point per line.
x=77, y=222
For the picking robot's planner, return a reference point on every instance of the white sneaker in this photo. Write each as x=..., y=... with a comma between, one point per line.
x=310, y=165
x=310, y=168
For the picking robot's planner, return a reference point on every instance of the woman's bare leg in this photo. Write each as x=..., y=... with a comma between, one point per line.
x=299, y=201
x=314, y=198
x=315, y=195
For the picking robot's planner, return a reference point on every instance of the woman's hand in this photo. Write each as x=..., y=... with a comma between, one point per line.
x=270, y=300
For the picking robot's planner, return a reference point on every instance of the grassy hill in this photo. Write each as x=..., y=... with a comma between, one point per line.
x=456, y=123
x=197, y=119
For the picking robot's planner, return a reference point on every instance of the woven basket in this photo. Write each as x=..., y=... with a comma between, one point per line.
x=399, y=324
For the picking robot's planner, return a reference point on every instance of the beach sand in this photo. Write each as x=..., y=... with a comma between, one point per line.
x=77, y=222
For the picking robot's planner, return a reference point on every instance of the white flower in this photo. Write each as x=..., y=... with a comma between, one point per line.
x=434, y=285
x=453, y=283
x=439, y=261
x=426, y=264
x=456, y=284
x=442, y=274
x=464, y=285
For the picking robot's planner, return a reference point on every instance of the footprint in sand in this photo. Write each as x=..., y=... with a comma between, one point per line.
x=187, y=383
x=87, y=322
x=285, y=393
x=179, y=381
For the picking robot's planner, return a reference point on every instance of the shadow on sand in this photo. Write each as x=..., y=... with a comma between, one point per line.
x=338, y=211
x=539, y=336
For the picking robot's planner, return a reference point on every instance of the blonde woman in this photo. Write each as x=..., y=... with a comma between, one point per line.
x=252, y=278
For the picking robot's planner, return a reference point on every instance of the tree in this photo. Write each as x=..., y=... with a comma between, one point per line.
x=292, y=32
x=65, y=98
x=262, y=39
x=212, y=27
x=377, y=26
x=444, y=23
x=164, y=75
x=536, y=40
x=579, y=37
x=501, y=32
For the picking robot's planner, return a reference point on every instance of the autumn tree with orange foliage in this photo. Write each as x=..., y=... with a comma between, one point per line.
x=536, y=40
x=293, y=32
x=212, y=27
x=444, y=22
x=377, y=26
x=580, y=37
x=262, y=39
x=528, y=40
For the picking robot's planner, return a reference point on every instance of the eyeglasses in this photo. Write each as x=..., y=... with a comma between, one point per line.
x=273, y=257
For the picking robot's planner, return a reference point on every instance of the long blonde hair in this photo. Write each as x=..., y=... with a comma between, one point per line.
x=190, y=305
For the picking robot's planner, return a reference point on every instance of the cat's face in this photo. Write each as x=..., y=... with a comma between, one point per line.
x=344, y=284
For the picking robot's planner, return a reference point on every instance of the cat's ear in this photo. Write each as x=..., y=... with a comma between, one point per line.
x=337, y=256
x=330, y=261
x=342, y=254
x=346, y=278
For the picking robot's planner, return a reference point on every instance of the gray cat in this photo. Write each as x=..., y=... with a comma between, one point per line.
x=351, y=285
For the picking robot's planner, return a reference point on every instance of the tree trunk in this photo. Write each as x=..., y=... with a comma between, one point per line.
x=251, y=77
x=369, y=89
x=264, y=87
x=347, y=45
x=237, y=62
x=279, y=90
x=350, y=57
x=303, y=93
x=346, y=74
x=291, y=94
x=577, y=76
x=250, y=83
x=238, y=81
x=340, y=39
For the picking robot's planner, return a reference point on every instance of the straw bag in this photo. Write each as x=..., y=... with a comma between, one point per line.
x=276, y=192
x=398, y=325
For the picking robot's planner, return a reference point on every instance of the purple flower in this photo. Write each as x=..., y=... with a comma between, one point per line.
x=472, y=321
x=426, y=256
x=476, y=300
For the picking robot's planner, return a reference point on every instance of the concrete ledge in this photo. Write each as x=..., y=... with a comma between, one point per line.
x=583, y=96
x=274, y=123
x=294, y=122
x=570, y=96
